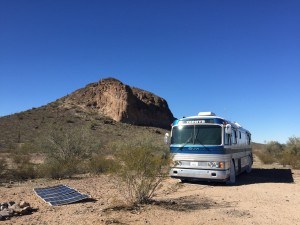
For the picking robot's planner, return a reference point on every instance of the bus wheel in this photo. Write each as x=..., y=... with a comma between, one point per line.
x=249, y=166
x=232, y=173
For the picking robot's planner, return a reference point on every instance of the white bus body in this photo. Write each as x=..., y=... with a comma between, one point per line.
x=208, y=147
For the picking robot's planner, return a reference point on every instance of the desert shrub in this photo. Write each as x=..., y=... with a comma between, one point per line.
x=271, y=153
x=274, y=148
x=265, y=157
x=57, y=169
x=22, y=168
x=290, y=159
x=24, y=171
x=68, y=142
x=141, y=169
x=291, y=154
x=100, y=164
x=26, y=148
x=293, y=146
x=288, y=154
x=66, y=150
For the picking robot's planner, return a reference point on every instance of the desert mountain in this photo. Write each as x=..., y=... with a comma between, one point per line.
x=110, y=109
x=122, y=103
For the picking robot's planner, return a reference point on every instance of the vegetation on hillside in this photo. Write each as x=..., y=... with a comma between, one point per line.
x=64, y=149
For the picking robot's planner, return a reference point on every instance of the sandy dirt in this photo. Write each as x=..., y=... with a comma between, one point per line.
x=269, y=195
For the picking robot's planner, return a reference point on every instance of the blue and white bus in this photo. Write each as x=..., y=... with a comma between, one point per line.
x=208, y=147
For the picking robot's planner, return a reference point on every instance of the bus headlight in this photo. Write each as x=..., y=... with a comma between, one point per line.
x=220, y=165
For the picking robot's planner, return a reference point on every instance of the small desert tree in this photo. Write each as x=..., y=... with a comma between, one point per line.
x=65, y=149
x=142, y=167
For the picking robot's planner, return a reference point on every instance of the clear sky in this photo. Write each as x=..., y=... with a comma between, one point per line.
x=239, y=59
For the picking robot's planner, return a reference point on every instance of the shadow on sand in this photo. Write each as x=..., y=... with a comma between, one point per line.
x=256, y=176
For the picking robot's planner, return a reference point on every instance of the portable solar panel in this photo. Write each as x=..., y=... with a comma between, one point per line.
x=60, y=195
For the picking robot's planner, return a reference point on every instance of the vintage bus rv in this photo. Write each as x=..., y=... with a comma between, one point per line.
x=208, y=147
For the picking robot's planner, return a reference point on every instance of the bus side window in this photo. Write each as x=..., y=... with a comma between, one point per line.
x=227, y=139
x=234, y=137
x=248, y=139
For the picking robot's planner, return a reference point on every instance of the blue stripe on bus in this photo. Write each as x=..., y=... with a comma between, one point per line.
x=198, y=150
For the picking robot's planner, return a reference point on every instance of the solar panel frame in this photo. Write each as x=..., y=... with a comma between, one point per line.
x=59, y=195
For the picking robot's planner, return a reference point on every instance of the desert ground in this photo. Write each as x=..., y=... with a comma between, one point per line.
x=268, y=195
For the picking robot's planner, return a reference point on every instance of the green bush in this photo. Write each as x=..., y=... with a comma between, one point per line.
x=274, y=149
x=141, y=168
x=68, y=142
x=288, y=154
x=22, y=167
x=58, y=169
x=99, y=164
x=265, y=157
x=290, y=159
x=271, y=153
x=66, y=151
x=24, y=171
x=293, y=146
x=291, y=155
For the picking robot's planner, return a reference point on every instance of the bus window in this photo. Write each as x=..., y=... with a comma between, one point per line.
x=248, y=139
x=226, y=139
x=234, y=137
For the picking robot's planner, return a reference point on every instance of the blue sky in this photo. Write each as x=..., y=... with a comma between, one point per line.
x=239, y=59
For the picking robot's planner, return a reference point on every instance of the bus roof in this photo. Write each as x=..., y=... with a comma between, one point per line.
x=207, y=118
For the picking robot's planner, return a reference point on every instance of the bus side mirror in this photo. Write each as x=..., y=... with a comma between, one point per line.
x=167, y=138
x=228, y=129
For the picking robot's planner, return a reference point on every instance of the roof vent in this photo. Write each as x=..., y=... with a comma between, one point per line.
x=237, y=124
x=206, y=114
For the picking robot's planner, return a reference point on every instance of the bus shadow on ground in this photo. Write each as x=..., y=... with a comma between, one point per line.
x=259, y=175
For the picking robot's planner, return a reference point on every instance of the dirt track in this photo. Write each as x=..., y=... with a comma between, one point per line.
x=266, y=196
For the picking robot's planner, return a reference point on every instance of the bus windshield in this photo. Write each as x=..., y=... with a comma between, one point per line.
x=197, y=135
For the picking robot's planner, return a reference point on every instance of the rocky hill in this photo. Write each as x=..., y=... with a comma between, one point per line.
x=110, y=109
x=122, y=103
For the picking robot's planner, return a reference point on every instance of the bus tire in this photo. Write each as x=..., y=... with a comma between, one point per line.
x=249, y=166
x=232, y=174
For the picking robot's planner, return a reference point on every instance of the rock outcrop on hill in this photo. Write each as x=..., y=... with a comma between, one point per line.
x=123, y=103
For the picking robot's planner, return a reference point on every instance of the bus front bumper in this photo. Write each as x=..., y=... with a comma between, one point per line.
x=214, y=175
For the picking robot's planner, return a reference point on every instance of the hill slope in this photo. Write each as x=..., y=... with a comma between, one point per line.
x=110, y=109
